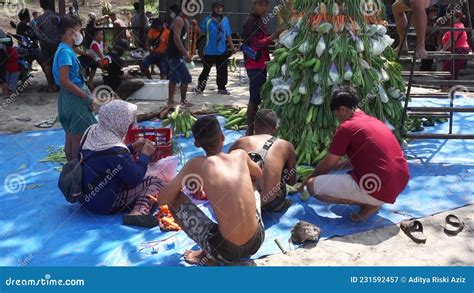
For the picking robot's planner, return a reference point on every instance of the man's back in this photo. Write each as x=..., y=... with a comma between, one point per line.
x=374, y=152
x=228, y=186
x=277, y=158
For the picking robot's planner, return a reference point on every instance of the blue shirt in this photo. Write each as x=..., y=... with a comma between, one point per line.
x=65, y=56
x=124, y=173
x=216, y=36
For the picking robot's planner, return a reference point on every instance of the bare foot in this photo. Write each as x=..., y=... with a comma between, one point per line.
x=365, y=212
x=186, y=104
x=421, y=53
x=403, y=48
x=172, y=103
x=198, y=257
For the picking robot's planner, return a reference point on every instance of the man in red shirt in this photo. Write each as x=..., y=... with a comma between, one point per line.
x=379, y=169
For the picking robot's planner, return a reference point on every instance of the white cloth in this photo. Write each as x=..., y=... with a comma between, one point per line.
x=115, y=119
x=343, y=186
x=94, y=54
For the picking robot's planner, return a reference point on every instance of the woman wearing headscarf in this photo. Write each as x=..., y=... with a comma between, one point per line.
x=113, y=180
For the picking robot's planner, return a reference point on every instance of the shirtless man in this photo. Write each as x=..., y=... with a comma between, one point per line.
x=227, y=181
x=278, y=160
x=420, y=20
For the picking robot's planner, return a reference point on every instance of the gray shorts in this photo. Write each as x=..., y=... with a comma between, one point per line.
x=206, y=234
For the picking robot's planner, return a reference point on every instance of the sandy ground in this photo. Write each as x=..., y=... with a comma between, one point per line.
x=22, y=112
x=388, y=246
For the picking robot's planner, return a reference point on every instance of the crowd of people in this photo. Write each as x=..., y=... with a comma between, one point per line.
x=238, y=184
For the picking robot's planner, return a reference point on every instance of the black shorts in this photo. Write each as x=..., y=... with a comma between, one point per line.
x=87, y=62
x=206, y=234
x=48, y=50
x=257, y=77
x=3, y=62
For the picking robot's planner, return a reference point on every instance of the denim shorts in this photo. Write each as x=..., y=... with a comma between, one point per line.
x=178, y=71
x=157, y=59
x=257, y=77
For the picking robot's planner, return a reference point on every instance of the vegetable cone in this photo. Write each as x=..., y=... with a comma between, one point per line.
x=326, y=45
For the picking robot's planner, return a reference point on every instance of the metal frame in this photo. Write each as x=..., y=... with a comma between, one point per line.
x=451, y=109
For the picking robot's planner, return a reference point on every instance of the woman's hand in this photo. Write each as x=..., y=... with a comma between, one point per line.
x=148, y=149
x=138, y=145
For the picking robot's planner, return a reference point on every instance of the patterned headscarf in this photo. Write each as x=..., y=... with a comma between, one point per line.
x=115, y=119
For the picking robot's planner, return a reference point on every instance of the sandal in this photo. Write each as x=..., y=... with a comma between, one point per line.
x=414, y=230
x=453, y=225
x=48, y=123
x=140, y=220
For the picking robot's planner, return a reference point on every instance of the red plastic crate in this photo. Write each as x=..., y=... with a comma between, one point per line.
x=161, y=137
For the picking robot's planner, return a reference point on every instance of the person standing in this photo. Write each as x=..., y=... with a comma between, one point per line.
x=12, y=68
x=257, y=40
x=178, y=54
x=431, y=40
x=120, y=31
x=158, y=37
x=47, y=33
x=24, y=29
x=34, y=20
x=420, y=19
x=136, y=24
x=461, y=44
x=75, y=103
x=218, y=32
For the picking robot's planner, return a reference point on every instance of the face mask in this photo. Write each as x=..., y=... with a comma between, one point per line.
x=173, y=15
x=77, y=38
x=434, y=17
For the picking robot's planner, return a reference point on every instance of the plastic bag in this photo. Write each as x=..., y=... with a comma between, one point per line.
x=165, y=169
x=320, y=47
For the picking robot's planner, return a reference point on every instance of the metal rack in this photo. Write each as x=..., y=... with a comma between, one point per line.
x=445, y=112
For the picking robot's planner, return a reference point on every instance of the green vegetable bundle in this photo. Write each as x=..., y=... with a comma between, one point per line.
x=236, y=117
x=328, y=45
x=181, y=122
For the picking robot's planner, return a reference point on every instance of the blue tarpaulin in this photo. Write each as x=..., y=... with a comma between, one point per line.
x=38, y=227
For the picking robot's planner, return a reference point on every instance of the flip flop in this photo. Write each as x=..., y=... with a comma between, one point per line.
x=453, y=225
x=48, y=123
x=414, y=230
x=140, y=220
